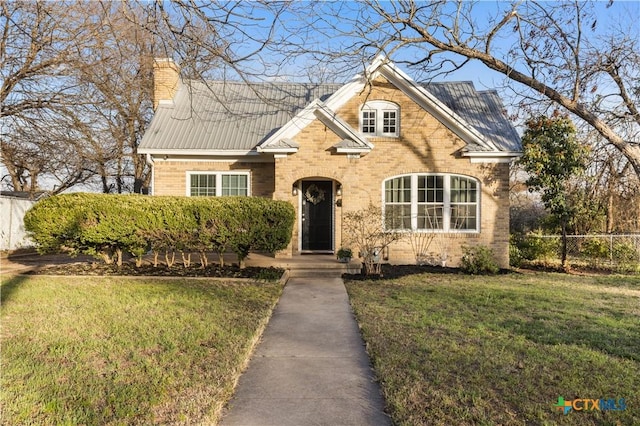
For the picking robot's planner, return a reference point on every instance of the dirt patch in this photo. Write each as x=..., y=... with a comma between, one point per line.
x=63, y=264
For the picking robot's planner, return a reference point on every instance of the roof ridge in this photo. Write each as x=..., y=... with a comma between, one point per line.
x=264, y=83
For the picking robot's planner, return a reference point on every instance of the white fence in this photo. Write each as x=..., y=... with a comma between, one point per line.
x=12, y=233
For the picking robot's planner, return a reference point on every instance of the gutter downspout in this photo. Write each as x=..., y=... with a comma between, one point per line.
x=153, y=177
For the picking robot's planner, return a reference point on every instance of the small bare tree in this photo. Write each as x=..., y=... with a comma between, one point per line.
x=420, y=244
x=365, y=230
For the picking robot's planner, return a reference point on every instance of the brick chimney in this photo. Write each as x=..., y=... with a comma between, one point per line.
x=166, y=80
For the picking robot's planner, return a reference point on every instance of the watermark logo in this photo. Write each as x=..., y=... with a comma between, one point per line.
x=586, y=404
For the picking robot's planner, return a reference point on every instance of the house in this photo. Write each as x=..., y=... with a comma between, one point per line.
x=434, y=156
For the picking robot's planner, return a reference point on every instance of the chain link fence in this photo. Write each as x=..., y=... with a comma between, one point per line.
x=615, y=251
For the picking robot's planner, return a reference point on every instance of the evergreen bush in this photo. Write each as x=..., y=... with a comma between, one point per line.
x=106, y=226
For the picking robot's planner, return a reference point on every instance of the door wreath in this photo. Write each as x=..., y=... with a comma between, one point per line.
x=314, y=194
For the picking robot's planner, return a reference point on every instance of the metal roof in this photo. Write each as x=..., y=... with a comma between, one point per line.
x=481, y=109
x=224, y=116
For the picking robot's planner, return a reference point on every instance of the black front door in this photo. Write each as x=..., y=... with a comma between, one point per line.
x=317, y=215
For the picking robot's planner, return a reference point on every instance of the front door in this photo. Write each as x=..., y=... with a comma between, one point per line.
x=317, y=216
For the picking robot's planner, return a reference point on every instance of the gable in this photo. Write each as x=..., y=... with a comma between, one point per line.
x=475, y=117
x=241, y=119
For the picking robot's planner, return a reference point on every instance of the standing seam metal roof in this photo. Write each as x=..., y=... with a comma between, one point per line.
x=483, y=110
x=222, y=116
x=227, y=116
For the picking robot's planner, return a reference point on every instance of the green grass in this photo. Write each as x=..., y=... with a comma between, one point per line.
x=82, y=350
x=457, y=349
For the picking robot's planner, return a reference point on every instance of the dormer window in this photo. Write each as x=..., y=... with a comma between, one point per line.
x=380, y=118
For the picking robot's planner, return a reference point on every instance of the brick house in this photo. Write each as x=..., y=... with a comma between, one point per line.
x=434, y=156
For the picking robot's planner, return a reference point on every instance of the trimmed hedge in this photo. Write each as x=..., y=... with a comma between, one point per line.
x=106, y=226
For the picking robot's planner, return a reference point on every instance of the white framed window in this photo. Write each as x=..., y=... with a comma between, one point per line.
x=432, y=202
x=217, y=184
x=380, y=118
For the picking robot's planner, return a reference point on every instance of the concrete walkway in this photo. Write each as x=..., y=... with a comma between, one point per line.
x=311, y=367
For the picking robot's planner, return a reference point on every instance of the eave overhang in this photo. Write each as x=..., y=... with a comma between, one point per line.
x=491, y=156
x=195, y=152
x=282, y=146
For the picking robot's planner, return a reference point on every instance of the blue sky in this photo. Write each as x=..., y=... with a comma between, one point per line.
x=621, y=15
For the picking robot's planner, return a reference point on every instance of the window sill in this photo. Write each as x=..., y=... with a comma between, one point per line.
x=382, y=138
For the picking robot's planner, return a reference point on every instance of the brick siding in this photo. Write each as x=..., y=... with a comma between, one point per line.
x=424, y=146
x=170, y=176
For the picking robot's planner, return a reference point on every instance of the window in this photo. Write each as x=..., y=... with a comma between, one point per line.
x=398, y=203
x=210, y=184
x=380, y=118
x=369, y=122
x=431, y=202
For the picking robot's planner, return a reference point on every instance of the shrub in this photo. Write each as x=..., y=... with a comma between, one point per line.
x=515, y=254
x=478, y=260
x=110, y=226
x=595, y=248
x=157, y=228
x=625, y=252
x=212, y=233
x=627, y=257
x=344, y=253
x=54, y=223
x=275, y=225
x=533, y=246
x=105, y=226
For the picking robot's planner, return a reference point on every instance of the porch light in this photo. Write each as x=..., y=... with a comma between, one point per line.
x=294, y=190
x=339, y=190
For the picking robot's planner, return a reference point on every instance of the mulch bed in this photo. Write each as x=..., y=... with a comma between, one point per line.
x=397, y=271
x=128, y=269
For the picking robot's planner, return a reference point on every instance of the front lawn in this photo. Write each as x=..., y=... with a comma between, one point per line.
x=458, y=349
x=91, y=350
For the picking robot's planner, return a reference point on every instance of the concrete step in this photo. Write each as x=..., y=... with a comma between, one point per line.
x=324, y=270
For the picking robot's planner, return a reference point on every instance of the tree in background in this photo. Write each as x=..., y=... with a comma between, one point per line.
x=77, y=80
x=75, y=95
x=613, y=184
x=118, y=79
x=552, y=158
x=41, y=43
x=219, y=40
x=550, y=54
x=606, y=195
